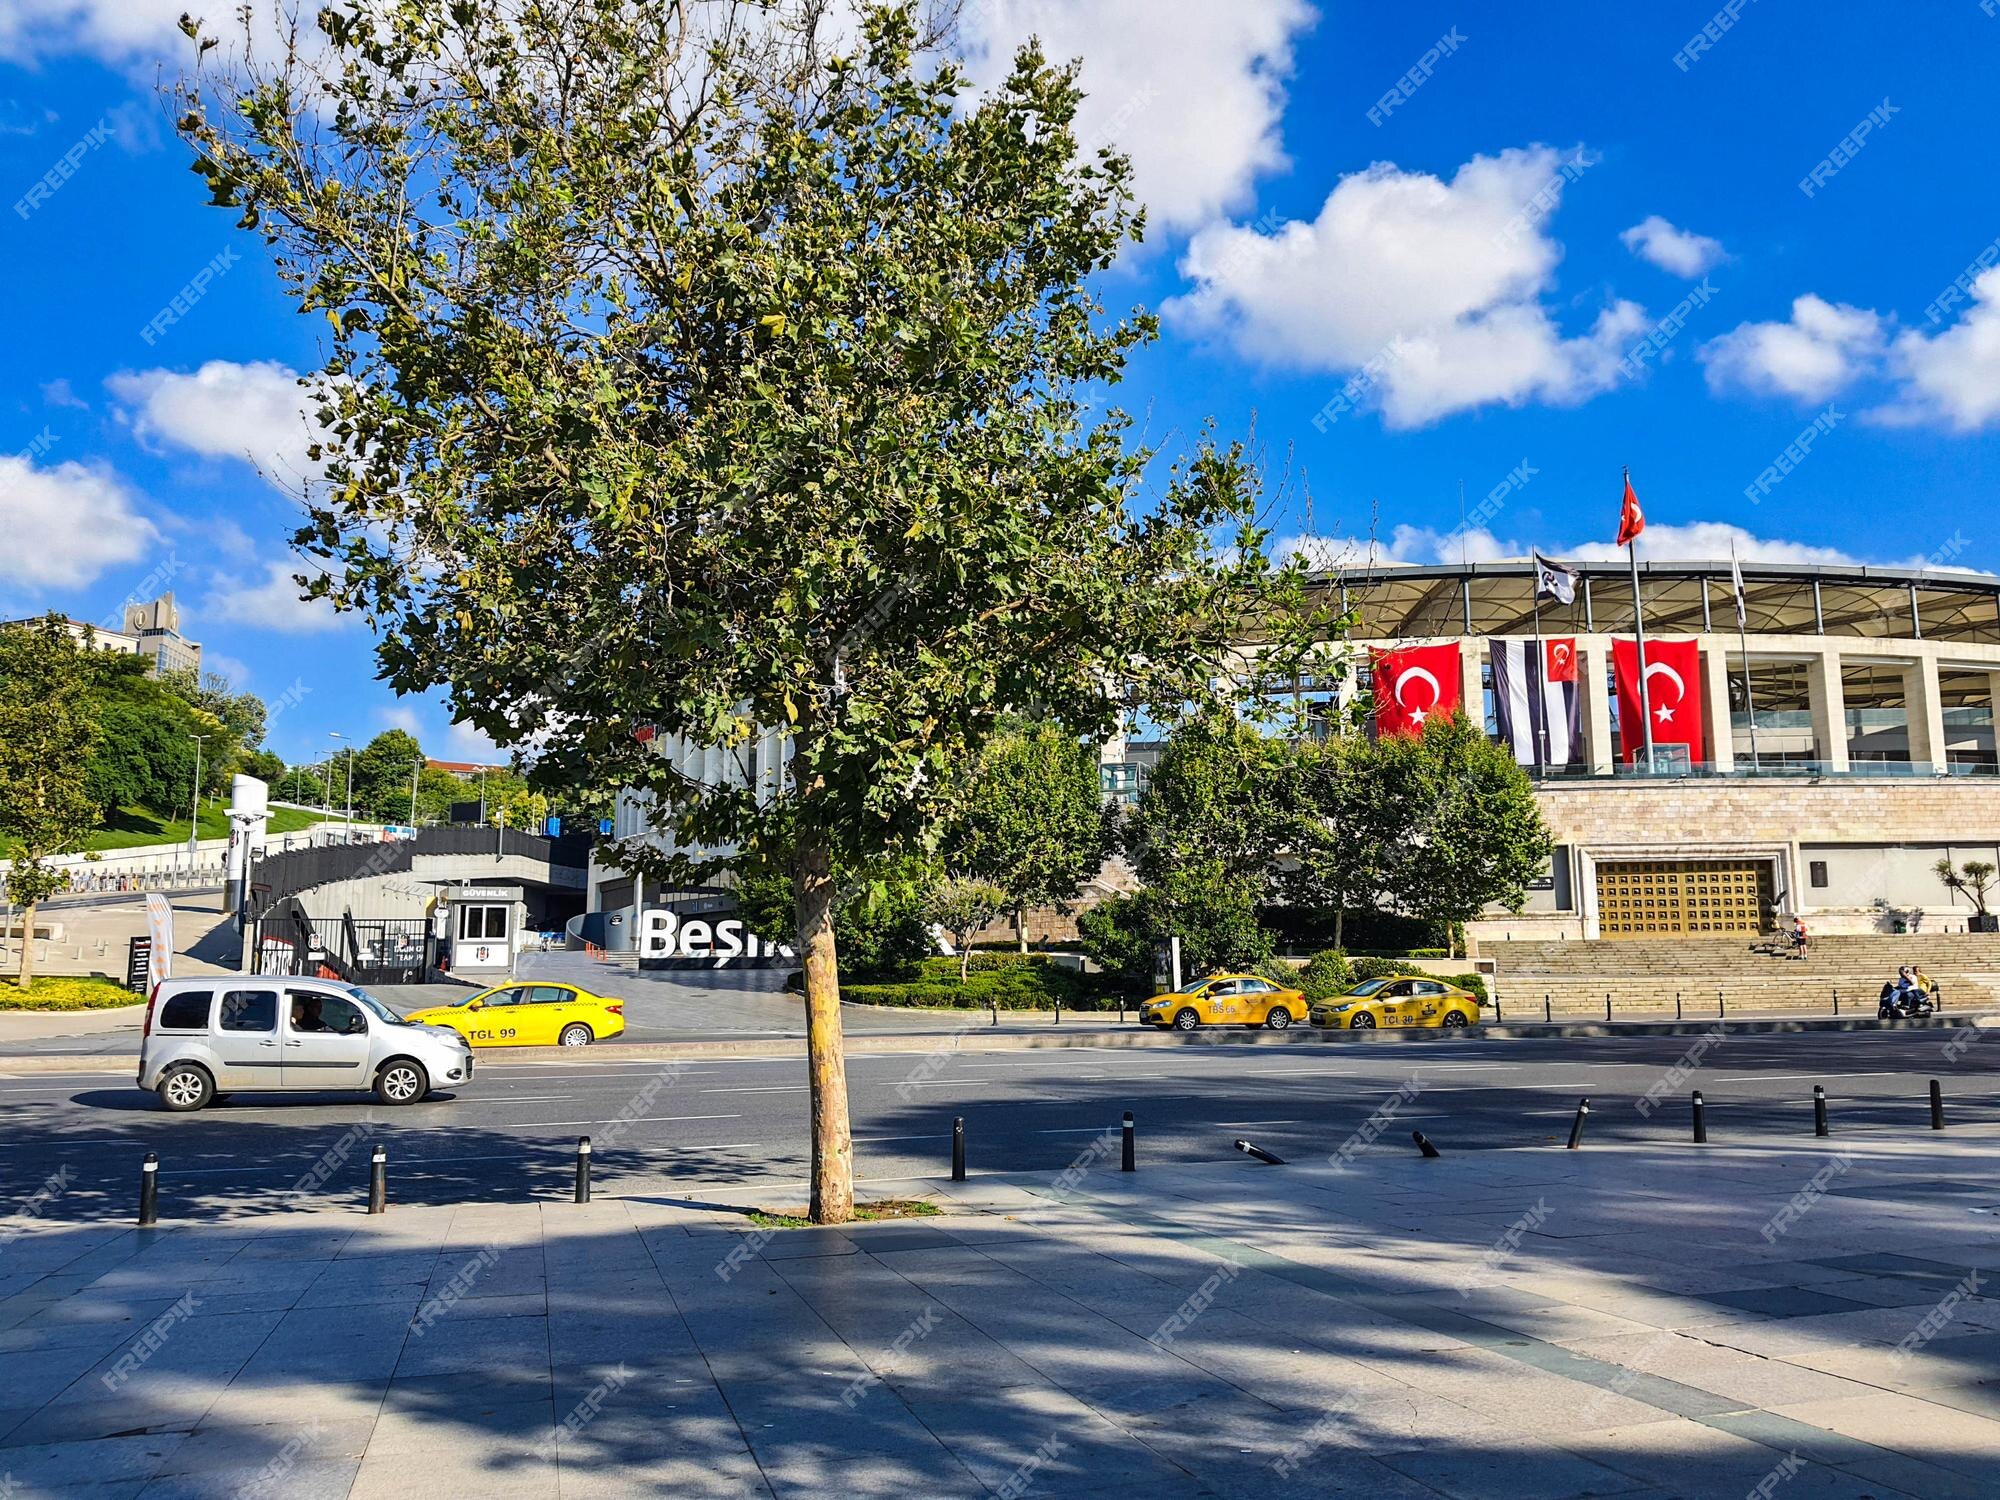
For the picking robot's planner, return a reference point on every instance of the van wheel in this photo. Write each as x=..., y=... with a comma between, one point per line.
x=576, y=1034
x=1279, y=1018
x=401, y=1081
x=184, y=1087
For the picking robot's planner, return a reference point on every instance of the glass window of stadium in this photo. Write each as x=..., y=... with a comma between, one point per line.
x=1967, y=698
x=1878, y=719
x=1782, y=695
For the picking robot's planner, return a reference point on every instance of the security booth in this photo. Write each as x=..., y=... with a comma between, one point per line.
x=482, y=926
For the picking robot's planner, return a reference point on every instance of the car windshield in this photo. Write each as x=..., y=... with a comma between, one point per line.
x=1368, y=987
x=373, y=1006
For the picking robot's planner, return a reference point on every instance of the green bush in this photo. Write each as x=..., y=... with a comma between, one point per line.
x=1429, y=953
x=1474, y=982
x=1280, y=973
x=1013, y=981
x=1326, y=973
x=67, y=992
x=1375, y=968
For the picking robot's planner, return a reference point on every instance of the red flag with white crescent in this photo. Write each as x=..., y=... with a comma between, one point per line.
x=1673, y=687
x=1414, y=686
x=1559, y=659
x=1631, y=519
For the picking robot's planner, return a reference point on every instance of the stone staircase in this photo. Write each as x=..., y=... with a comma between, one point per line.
x=1735, y=975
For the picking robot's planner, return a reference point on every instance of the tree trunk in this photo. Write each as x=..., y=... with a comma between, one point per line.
x=964, y=957
x=27, y=969
x=826, y=1059
x=1021, y=929
x=1340, y=928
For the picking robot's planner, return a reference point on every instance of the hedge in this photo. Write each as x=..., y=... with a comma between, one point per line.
x=1013, y=981
x=67, y=992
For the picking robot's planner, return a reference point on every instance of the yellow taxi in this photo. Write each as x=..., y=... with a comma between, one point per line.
x=1226, y=1000
x=529, y=1015
x=1399, y=1000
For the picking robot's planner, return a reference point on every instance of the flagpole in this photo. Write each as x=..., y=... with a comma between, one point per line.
x=1743, y=639
x=1538, y=679
x=1639, y=629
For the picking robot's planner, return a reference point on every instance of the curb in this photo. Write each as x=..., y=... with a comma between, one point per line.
x=973, y=1040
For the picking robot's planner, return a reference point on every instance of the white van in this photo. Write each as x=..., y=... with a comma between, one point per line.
x=206, y=1038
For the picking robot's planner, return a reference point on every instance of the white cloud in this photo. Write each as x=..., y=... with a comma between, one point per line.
x=1824, y=349
x=256, y=412
x=226, y=666
x=1693, y=541
x=1431, y=290
x=1680, y=251
x=67, y=524
x=1193, y=93
x=270, y=601
x=1953, y=377
x=112, y=30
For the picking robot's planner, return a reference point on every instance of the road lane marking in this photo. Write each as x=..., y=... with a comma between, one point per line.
x=627, y=1120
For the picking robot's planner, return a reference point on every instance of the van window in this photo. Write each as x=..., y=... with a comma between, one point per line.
x=249, y=1010
x=187, y=1011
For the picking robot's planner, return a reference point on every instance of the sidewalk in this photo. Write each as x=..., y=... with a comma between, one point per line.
x=1813, y=1317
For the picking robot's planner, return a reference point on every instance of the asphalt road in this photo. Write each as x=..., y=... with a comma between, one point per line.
x=657, y=1127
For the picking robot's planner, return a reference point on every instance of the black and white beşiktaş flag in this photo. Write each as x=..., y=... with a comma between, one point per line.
x=1554, y=581
x=1540, y=716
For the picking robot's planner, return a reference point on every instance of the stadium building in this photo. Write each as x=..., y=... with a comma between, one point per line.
x=1870, y=754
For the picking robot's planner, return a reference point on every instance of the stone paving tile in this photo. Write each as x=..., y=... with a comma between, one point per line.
x=1950, y=1439
x=1504, y=1471
x=1688, y=1458
x=310, y=1479
x=102, y=1461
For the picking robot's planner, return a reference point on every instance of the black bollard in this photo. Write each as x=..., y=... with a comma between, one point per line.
x=1260, y=1153
x=149, y=1190
x=1819, y=1111
x=1431, y=1153
x=1836, y=1002
x=1058, y=1010
x=1700, y=1120
x=1937, y=1106
x=583, y=1169
x=1576, y=1126
x=996, y=1012
x=1129, y=1161
x=1677, y=1005
x=1720, y=1009
x=958, y=1149
x=1121, y=1010
x=1607, y=1005
x=1496, y=1010
x=378, y=1180
x=1547, y=1014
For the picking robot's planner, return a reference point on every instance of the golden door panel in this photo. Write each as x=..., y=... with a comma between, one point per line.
x=1683, y=898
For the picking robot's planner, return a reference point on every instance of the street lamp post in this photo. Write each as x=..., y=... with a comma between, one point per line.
x=415, y=766
x=347, y=820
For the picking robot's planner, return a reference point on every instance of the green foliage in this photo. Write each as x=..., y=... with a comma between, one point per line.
x=1035, y=984
x=961, y=908
x=1117, y=936
x=1327, y=972
x=383, y=769
x=1030, y=819
x=67, y=992
x=1214, y=920
x=240, y=717
x=1368, y=967
x=48, y=733
x=881, y=923
x=1279, y=973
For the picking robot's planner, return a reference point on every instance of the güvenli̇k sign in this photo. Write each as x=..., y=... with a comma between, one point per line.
x=664, y=937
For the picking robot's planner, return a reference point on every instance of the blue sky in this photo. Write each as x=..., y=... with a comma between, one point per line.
x=1414, y=246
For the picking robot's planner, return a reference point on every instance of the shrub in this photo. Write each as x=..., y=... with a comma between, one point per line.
x=1429, y=953
x=1280, y=973
x=1326, y=973
x=1026, y=983
x=1375, y=968
x=65, y=992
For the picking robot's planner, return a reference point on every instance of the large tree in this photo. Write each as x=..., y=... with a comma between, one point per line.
x=47, y=734
x=686, y=373
x=1030, y=820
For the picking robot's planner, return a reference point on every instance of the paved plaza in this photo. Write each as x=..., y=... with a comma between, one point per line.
x=1811, y=1318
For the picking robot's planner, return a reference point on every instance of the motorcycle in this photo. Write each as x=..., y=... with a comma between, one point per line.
x=1904, y=1004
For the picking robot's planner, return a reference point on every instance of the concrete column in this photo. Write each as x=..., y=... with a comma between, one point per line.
x=1593, y=663
x=1923, y=709
x=1829, y=709
x=1715, y=706
x=1472, y=686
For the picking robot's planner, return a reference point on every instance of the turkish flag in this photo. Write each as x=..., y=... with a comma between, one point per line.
x=1673, y=682
x=1631, y=519
x=1415, y=685
x=1559, y=659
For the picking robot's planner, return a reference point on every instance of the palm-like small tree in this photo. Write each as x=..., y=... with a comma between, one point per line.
x=1973, y=880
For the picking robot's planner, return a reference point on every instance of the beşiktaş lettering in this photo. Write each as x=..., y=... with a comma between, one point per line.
x=662, y=934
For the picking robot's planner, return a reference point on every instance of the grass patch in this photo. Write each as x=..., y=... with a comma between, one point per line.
x=881, y=1208
x=132, y=827
x=66, y=992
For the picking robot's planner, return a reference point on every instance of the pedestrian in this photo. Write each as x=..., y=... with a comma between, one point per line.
x=1799, y=938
